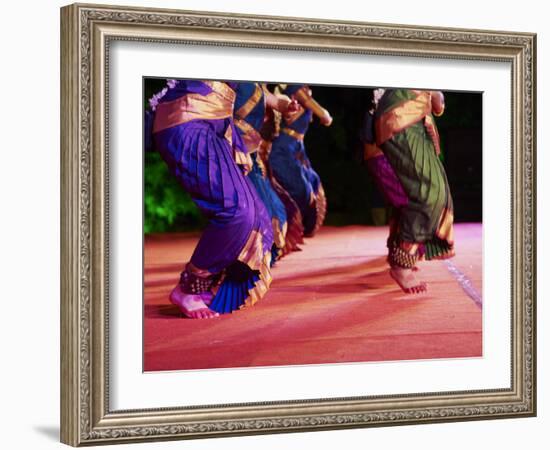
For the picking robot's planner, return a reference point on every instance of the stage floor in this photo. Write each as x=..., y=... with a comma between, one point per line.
x=333, y=302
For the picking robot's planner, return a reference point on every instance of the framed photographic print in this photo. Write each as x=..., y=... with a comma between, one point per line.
x=277, y=224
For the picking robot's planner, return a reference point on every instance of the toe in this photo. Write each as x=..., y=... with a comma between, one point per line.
x=209, y=314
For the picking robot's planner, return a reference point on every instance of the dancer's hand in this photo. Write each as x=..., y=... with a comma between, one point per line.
x=326, y=118
x=285, y=104
x=438, y=102
x=304, y=97
x=293, y=106
x=280, y=102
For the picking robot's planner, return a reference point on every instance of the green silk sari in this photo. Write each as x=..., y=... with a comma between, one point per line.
x=405, y=131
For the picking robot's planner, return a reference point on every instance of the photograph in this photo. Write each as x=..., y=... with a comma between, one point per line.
x=279, y=225
x=295, y=224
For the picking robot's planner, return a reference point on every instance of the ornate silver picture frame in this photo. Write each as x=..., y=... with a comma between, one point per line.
x=87, y=32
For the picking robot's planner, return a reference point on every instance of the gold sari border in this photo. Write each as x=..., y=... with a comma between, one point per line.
x=191, y=107
x=371, y=151
x=243, y=159
x=251, y=103
x=222, y=89
x=429, y=123
x=250, y=135
x=218, y=104
x=293, y=133
x=279, y=232
x=402, y=116
x=254, y=257
x=295, y=233
x=264, y=149
x=445, y=230
x=321, y=209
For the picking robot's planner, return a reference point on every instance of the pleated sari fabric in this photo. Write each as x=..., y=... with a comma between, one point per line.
x=294, y=235
x=405, y=132
x=249, y=115
x=208, y=158
x=292, y=168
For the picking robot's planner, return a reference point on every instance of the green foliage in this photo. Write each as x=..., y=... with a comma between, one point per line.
x=167, y=207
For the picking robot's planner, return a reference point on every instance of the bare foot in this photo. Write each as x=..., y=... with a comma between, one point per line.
x=192, y=306
x=207, y=297
x=406, y=279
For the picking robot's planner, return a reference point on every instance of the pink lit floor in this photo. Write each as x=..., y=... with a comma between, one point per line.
x=333, y=302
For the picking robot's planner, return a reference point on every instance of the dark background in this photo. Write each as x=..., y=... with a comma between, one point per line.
x=336, y=154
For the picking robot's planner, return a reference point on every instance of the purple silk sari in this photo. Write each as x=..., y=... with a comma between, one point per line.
x=207, y=157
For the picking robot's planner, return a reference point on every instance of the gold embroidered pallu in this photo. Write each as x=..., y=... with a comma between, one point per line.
x=405, y=115
x=218, y=104
x=250, y=104
x=293, y=133
x=251, y=137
